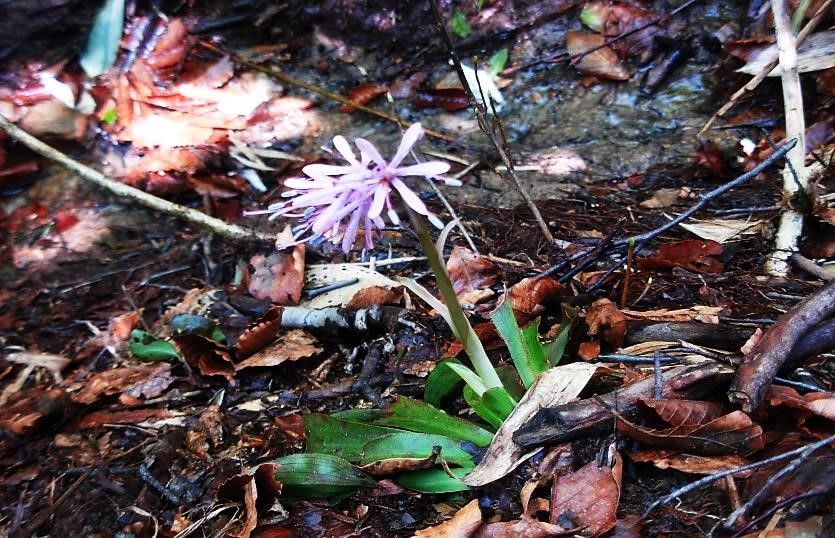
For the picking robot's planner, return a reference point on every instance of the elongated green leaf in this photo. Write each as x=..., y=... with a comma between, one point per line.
x=148, y=348
x=319, y=476
x=366, y=416
x=498, y=61
x=555, y=350
x=441, y=382
x=529, y=361
x=415, y=445
x=419, y=416
x=103, y=44
x=328, y=435
x=434, y=480
x=499, y=400
x=470, y=378
x=511, y=382
x=530, y=339
x=490, y=415
x=459, y=24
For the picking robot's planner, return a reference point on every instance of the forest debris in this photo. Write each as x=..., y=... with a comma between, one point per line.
x=594, y=417
x=279, y=276
x=691, y=254
x=324, y=275
x=723, y=230
x=589, y=496
x=816, y=53
x=602, y=62
x=117, y=381
x=554, y=387
x=756, y=372
x=470, y=272
x=292, y=345
x=815, y=403
x=689, y=463
x=604, y=318
x=463, y=524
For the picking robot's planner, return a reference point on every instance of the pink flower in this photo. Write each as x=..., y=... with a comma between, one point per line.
x=338, y=199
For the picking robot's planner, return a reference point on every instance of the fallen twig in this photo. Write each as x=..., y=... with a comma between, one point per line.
x=759, y=368
x=811, y=267
x=222, y=228
x=492, y=129
x=803, y=451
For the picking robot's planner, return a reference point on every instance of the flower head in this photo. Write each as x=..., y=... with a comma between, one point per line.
x=333, y=201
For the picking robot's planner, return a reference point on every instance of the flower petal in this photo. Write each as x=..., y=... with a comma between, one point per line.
x=350, y=234
x=410, y=138
x=307, y=184
x=428, y=169
x=380, y=195
x=370, y=151
x=345, y=150
x=409, y=197
x=320, y=171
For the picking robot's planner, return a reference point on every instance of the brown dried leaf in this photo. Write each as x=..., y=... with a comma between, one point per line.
x=679, y=413
x=462, y=525
x=589, y=496
x=278, y=277
x=115, y=381
x=530, y=294
x=815, y=403
x=259, y=334
x=602, y=63
x=691, y=254
x=734, y=432
x=705, y=314
x=292, y=345
x=469, y=271
x=525, y=526
x=604, y=315
x=362, y=95
x=589, y=350
x=448, y=99
x=209, y=357
x=689, y=463
x=134, y=416
x=376, y=295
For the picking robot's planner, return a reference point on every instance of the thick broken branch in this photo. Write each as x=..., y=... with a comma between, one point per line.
x=759, y=368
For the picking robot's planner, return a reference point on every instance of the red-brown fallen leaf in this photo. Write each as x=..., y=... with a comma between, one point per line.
x=28, y=409
x=683, y=413
x=207, y=431
x=152, y=386
x=615, y=19
x=292, y=345
x=448, y=99
x=709, y=157
x=589, y=350
x=734, y=432
x=259, y=334
x=463, y=524
x=530, y=294
x=134, y=416
x=602, y=63
x=257, y=490
x=110, y=382
x=604, y=315
x=291, y=425
x=749, y=47
x=815, y=403
x=278, y=277
x=362, y=95
x=526, y=526
x=630, y=526
x=691, y=254
x=121, y=325
x=588, y=497
x=469, y=271
x=689, y=463
x=376, y=295
x=208, y=356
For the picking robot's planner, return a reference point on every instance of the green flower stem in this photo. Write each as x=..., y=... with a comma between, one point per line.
x=461, y=326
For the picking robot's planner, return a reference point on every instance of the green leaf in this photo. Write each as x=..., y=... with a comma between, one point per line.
x=441, y=382
x=511, y=382
x=470, y=378
x=415, y=445
x=149, y=348
x=419, y=416
x=319, y=476
x=530, y=339
x=497, y=62
x=366, y=416
x=328, y=435
x=459, y=24
x=555, y=350
x=494, y=405
x=527, y=353
x=109, y=117
x=103, y=43
x=434, y=480
x=594, y=16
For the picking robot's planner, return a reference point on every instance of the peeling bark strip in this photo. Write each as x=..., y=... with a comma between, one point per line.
x=755, y=374
x=593, y=416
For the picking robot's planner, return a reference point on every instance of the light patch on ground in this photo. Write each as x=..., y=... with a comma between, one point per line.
x=78, y=239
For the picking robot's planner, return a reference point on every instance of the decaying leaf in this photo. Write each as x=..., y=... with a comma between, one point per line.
x=258, y=335
x=290, y=346
x=362, y=95
x=463, y=524
x=526, y=526
x=469, y=271
x=334, y=273
x=723, y=230
x=278, y=277
x=821, y=404
x=815, y=53
x=604, y=317
x=603, y=62
x=705, y=314
x=588, y=497
x=691, y=254
x=376, y=295
x=530, y=294
x=689, y=463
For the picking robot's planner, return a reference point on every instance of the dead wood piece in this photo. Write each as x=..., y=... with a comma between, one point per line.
x=711, y=335
x=592, y=416
x=759, y=368
x=341, y=320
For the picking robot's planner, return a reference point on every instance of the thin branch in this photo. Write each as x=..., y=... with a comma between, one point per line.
x=800, y=451
x=485, y=125
x=754, y=82
x=222, y=228
x=275, y=73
